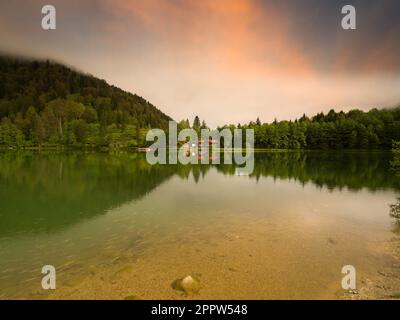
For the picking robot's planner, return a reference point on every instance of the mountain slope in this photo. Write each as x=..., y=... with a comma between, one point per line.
x=46, y=102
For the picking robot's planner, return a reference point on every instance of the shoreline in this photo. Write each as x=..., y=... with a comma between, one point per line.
x=138, y=149
x=385, y=284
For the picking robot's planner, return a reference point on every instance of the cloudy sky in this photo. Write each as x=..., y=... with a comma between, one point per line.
x=227, y=61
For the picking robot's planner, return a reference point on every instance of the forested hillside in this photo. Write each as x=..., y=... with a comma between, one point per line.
x=45, y=103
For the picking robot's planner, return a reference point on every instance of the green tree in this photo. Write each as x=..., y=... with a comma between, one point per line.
x=196, y=123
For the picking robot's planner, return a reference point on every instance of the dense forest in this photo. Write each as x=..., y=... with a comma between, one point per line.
x=356, y=129
x=43, y=103
x=46, y=104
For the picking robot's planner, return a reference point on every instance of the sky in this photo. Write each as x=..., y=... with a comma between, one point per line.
x=227, y=61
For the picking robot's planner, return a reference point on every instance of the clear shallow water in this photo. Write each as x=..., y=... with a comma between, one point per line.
x=113, y=226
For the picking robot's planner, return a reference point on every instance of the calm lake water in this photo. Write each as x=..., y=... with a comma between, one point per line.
x=114, y=226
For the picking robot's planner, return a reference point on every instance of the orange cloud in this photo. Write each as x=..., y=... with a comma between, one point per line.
x=236, y=36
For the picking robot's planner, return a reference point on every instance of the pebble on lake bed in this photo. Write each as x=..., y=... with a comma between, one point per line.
x=188, y=285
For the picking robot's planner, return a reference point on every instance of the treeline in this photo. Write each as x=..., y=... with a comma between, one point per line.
x=375, y=129
x=43, y=103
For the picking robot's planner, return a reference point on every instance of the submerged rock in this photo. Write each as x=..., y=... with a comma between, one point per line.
x=332, y=241
x=189, y=285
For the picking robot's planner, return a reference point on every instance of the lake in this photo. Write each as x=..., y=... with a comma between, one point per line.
x=115, y=227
